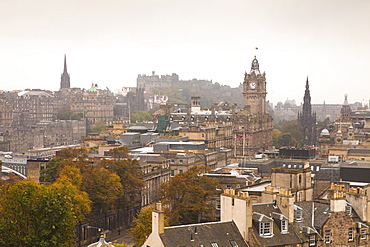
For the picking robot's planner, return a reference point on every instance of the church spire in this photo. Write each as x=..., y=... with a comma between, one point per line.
x=65, y=80
x=65, y=64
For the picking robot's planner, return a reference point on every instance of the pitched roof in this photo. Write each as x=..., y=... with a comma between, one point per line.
x=278, y=238
x=221, y=233
x=321, y=213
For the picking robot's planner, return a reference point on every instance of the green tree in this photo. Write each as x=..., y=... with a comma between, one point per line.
x=68, y=114
x=188, y=195
x=140, y=116
x=40, y=215
x=275, y=137
x=323, y=125
x=294, y=128
x=99, y=127
x=286, y=139
x=50, y=174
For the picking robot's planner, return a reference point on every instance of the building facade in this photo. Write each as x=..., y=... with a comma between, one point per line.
x=252, y=126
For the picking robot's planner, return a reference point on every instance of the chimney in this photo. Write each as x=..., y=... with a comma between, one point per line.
x=285, y=201
x=158, y=220
x=338, y=203
x=237, y=206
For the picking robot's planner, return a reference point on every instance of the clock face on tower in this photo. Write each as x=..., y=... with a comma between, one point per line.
x=252, y=85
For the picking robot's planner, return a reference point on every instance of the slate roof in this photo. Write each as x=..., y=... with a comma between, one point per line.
x=321, y=213
x=196, y=235
x=278, y=238
x=328, y=174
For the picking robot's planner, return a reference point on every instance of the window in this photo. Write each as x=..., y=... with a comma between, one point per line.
x=327, y=236
x=233, y=243
x=349, y=209
x=350, y=234
x=172, y=173
x=284, y=226
x=311, y=240
x=363, y=233
x=214, y=244
x=265, y=228
x=218, y=204
x=297, y=214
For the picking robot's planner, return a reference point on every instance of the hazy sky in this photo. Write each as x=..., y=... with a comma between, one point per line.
x=110, y=42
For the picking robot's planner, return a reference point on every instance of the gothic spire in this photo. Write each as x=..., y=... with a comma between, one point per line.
x=65, y=64
x=65, y=80
x=307, y=86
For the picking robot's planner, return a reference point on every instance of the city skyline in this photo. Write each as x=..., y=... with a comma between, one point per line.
x=111, y=43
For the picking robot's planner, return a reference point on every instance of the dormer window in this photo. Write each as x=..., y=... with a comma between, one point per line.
x=284, y=226
x=282, y=222
x=265, y=228
x=363, y=233
x=264, y=224
x=297, y=213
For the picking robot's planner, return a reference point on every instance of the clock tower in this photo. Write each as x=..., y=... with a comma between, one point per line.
x=254, y=90
x=252, y=126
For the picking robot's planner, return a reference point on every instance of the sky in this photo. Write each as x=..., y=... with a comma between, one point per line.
x=110, y=42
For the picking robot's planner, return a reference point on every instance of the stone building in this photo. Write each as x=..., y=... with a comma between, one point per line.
x=95, y=104
x=252, y=126
x=348, y=137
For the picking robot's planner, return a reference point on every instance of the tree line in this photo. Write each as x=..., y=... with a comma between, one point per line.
x=73, y=187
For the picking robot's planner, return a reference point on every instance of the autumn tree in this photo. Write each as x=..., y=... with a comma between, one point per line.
x=188, y=195
x=104, y=189
x=130, y=173
x=142, y=225
x=40, y=215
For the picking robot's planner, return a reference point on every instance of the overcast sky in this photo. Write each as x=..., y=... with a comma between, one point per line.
x=110, y=42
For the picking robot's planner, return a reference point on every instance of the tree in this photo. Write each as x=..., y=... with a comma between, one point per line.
x=68, y=114
x=294, y=128
x=140, y=116
x=275, y=137
x=286, y=139
x=40, y=215
x=130, y=173
x=188, y=194
x=99, y=127
x=143, y=225
x=104, y=188
x=50, y=174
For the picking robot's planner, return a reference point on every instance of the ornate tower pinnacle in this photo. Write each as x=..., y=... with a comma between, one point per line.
x=307, y=119
x=255, y=66
x=65, y=80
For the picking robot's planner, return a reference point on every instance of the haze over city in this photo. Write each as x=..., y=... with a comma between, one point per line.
x=111, y=42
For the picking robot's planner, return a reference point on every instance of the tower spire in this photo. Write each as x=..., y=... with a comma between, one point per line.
x=65, y=64
x=65, y=80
